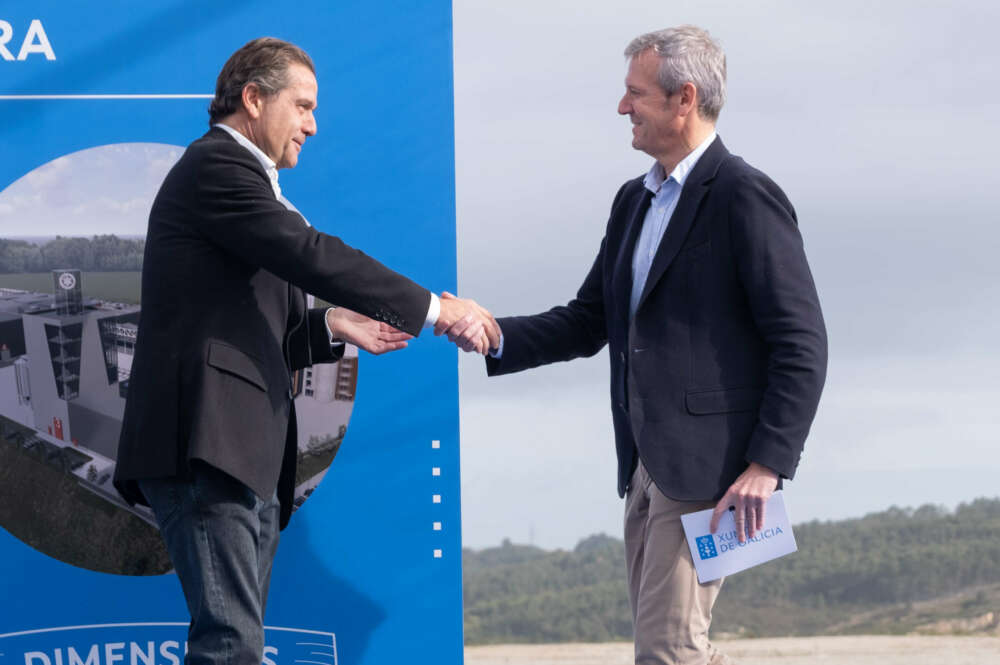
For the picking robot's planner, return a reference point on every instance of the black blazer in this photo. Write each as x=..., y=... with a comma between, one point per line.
x=725, y=359
x=224, y=322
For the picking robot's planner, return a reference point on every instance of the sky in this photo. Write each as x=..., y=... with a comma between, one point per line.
x=879, y=121
x=58, y=198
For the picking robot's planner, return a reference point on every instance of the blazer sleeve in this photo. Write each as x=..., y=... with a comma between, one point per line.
x=771, y=264
x=240, y=214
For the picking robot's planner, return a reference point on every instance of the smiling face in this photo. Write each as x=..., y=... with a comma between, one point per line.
x=280, y=123
x=657, y=119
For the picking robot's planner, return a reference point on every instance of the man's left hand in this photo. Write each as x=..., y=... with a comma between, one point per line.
x=748, y=497
x=372, y=336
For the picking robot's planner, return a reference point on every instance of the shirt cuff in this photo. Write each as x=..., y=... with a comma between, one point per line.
x=433, y=311
x=499, y=350
x=329, y=333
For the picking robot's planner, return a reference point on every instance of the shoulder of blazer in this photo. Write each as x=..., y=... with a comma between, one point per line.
x=735, y=173
x=733, y=169
x=217, y=145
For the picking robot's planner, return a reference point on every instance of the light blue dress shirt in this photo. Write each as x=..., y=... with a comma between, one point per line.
x=666, y=192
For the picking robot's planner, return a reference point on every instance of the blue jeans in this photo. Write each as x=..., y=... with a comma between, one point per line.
x=221, y=538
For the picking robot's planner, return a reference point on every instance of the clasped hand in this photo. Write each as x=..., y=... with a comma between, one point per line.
x=470, y=326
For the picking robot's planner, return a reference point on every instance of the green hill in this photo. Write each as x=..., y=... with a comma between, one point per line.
x=902, y=570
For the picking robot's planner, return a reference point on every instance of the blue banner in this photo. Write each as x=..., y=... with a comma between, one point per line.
x=98, y=100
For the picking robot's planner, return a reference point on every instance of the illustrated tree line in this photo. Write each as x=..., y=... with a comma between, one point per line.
x=886, y=572
x=99, y=253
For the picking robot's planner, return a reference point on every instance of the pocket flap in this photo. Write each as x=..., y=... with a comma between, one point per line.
x=232, y=360
x=723, y=401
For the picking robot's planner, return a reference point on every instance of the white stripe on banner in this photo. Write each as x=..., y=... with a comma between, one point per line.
x=157, y=624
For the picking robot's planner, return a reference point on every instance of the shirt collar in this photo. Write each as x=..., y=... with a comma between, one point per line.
x=655, y=177
x=269, y=167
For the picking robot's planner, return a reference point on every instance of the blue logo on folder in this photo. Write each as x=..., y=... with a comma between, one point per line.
x=706, y=547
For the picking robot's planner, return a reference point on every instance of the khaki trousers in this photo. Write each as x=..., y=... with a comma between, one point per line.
x=671, y=611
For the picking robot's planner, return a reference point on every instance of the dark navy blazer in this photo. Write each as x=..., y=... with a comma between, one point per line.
x=725, y=359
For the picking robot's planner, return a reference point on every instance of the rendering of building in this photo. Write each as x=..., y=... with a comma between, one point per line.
x=65, y=363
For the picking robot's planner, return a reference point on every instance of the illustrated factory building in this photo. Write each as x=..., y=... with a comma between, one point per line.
x=65, y=361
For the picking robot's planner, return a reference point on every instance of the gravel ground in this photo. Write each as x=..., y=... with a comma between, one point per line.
x=851, y=650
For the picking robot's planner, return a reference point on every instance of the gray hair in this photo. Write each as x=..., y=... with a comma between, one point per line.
x=263, y=62
x=688, y=53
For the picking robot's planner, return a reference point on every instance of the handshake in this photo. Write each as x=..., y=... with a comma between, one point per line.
x=470, y=326
x=467, y=324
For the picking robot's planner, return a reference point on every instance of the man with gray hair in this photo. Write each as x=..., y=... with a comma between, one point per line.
x=702, y=291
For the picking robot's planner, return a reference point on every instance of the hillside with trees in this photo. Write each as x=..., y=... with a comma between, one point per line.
x=902, y=570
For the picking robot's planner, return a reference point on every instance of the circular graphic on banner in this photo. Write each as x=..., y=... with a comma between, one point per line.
x=72, y=233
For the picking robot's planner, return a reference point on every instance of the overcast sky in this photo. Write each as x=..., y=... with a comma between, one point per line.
x=72, y=193
x=879, y=120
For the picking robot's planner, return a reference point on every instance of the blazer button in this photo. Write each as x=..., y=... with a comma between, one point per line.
x=621, y=356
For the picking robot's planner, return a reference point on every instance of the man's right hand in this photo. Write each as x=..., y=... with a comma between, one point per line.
x=747, y=496
x=467, y=324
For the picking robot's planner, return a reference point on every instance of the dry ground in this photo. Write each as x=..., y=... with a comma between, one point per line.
x=850, y=650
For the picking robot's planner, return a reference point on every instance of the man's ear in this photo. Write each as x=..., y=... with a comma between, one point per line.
x=688, y=98
x=252, y=100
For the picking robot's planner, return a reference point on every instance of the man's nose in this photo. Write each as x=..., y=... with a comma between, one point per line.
x=624, y=107
x=309, y=129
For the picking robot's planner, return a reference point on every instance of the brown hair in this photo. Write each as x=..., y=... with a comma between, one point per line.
x=263, y=61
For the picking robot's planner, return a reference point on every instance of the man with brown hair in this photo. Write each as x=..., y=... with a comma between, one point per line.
x=208, y=438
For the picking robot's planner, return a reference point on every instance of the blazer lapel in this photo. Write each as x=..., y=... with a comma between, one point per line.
x=695, y=188
x=623, y=262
